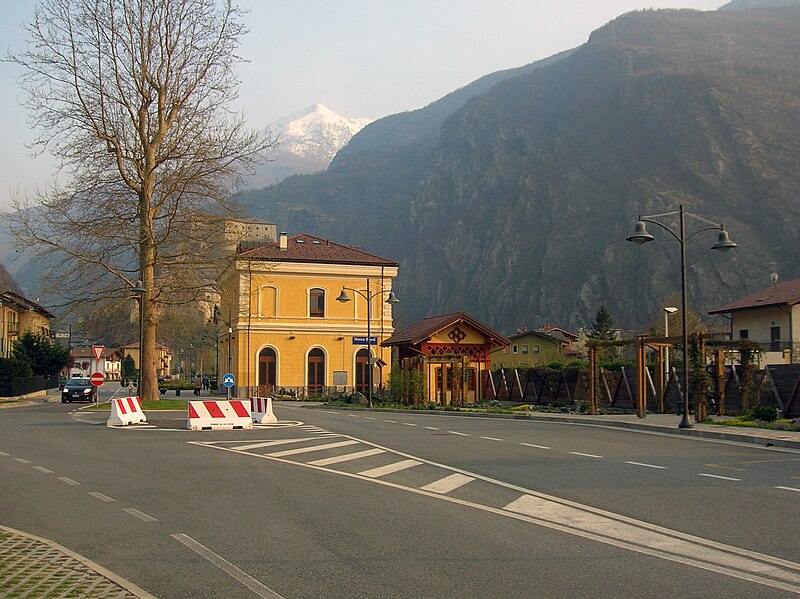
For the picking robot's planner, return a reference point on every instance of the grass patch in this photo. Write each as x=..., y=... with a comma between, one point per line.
x=161, y=404
x=777, y=425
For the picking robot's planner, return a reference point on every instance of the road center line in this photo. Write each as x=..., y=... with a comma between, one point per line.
x=491, y=438
x=646, y=465
x=43, y=469
x=459, y=434
x=536, y=446
x=141, y=515
x=720, y=477
x=101, y=497
x=392, y=421
x=69, y=481
x=4, y=454
x=21, y=460
x=432, y=428
x=586, y=455
x=788, y=489
x=227, y=567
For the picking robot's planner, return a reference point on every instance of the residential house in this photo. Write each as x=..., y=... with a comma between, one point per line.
x=453, y=351
x=280, y=324
x=163, y=358
x=528, y=349
x=770, y=317
x=18, y=316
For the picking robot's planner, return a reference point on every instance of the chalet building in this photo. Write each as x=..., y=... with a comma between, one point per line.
x=163, y=358
x=19, y=316
x=454, y=353
x=280, y=324
x=770, y=317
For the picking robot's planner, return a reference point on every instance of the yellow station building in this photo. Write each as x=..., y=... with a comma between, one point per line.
x=281, y=326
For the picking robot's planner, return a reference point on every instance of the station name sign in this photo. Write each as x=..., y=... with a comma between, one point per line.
x=363, y=341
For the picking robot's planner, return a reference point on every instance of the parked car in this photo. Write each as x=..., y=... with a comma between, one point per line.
x=78, y=389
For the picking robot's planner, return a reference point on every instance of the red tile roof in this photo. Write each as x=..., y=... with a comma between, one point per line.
x=428, y=327
x=780, y=294
x=307, y=248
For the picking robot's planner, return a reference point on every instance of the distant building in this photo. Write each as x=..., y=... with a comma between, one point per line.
x=18, y=316
x=163, y=358
x=771, y=318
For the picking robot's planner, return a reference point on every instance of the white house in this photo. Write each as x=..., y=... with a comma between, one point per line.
x=770, y=317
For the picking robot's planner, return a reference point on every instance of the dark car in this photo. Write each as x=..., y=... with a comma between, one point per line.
x=78, y=389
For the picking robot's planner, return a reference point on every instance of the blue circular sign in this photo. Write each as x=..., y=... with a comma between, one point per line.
x=228, y=380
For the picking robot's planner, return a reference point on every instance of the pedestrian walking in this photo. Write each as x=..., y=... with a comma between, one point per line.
x=198, y=385
x=206, y=383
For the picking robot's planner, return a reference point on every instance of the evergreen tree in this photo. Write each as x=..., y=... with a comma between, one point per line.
x=603, y=326
x=45, y=357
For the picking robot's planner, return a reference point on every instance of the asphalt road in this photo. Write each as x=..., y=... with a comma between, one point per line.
x=368, y=504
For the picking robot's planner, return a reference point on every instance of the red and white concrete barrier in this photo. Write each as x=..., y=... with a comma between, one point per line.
x=261, y=410
x=218, y=415
x=126, y=410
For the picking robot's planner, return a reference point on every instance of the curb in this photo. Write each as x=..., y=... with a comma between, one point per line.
x=135, y=590
x=751, y=437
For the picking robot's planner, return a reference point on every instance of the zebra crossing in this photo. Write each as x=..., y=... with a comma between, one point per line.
x=319, y=449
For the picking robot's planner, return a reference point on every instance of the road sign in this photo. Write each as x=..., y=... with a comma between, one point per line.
x=228, y=380
x=97, y=350
x=97, y=379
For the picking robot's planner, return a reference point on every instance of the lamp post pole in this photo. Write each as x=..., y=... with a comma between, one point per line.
x=368, y=296
x=640, y=236
x=139, y=291
x=667, y=311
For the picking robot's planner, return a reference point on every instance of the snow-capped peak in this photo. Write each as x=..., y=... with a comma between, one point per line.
x=316, y=133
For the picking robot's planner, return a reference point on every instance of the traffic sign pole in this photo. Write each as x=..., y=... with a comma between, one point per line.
x=228, y=381
x=97, y=379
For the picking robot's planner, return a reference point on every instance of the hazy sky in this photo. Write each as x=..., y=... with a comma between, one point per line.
x=360, y=58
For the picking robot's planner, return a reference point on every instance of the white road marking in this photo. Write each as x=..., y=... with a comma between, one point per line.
x=646, y=465
x=101, y=497
x=788, y=489
x=459, y=434
x=69, y=481
x=227, y=567
x=448, y=483
x=21, y=460
x=389, y=469
x=43, y=469
x=720, y=477
x=392, y=421
x=536, y=446
x=271, y=443
x=347, y=457
x=586, y=455
x=409, y=424
x=650, y=540
x=280, y=454
x=369, y=418
x=491, y=438
x=432, y=428
x=141, y=515
x=354, y=416
x=4, y=454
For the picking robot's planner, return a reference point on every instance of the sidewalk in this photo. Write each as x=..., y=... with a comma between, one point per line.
x=34, y=567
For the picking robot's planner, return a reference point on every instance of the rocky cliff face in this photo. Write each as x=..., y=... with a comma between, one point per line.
x=517, y=210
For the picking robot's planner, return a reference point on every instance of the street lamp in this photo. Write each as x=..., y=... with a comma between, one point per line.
x=667, y=311
x=640, y=236
x=368, y=296
x=138, y=292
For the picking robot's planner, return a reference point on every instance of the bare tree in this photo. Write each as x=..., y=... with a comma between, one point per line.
x=132, y=96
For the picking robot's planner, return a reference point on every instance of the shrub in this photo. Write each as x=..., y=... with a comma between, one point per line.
x=11, y=368
x=763, y=413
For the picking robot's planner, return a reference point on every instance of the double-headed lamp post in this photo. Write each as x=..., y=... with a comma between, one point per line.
x=368, y=296
x=640, y=236
x=138, y=292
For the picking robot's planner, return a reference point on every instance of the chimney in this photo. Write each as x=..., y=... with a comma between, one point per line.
x=282, y=241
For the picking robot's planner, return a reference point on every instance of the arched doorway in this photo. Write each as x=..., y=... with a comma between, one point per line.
x=316, y=371
x=267, y=368
x=362, y=371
